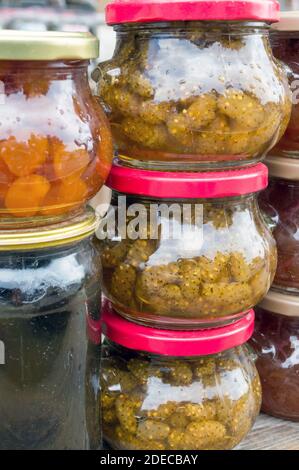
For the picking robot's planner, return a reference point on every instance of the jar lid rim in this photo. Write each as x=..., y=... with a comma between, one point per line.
x=142, y=11
x=56, y=234
x=47, y=45
x=283, y=167
x=288, y=21
x=175, y=342
x=209, y=184
x=281, y=303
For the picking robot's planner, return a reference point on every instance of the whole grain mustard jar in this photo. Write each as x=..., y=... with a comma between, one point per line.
x=55, y=142
x=193, y=84
x=50, y=303
x=186, y=250
x=177, y=390
x=276, y=343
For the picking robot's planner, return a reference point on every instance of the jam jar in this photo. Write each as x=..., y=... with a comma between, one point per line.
x=186, y=250
x=55, y=141
x=280, y=203
x=276, y=343
x=177, y=390
x=285, y=44
x=193, y=83
x=50, y=338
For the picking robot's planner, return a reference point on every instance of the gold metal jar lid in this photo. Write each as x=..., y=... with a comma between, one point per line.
x=47, y=45
x=63, y=233
x=283, y=167
x=282, y=304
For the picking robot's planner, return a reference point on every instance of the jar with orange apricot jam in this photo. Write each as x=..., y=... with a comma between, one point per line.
x=55, y=143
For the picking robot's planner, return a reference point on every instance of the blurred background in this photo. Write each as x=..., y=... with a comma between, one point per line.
x=70, y=15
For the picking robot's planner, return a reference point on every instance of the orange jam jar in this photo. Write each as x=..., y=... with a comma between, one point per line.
x=55, y=143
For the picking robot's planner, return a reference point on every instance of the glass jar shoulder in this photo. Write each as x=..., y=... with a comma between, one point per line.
x=203, y=408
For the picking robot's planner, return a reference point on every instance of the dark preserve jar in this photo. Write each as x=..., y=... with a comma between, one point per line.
x=280, y=202
x=50, y=337
x=285, y=44
x=177, y=390
x=55, y=142
x=276, y=342
x=193, y=84
x=187, y=250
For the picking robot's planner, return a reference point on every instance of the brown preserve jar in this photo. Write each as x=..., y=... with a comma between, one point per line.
x=276, y=342
x=55, y=143
x=193, y=84
x=280, y=202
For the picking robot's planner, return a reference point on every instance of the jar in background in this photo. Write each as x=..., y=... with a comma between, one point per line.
x=276, y=342
x=55, y=142
x=285, y=44
x=50, y=337
x=193, y=83
x=177, y=390
x=280, y=202
x=200, y=253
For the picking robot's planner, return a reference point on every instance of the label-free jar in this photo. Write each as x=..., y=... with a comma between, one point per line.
x=166, y=390
x=50, y=338
x=276, y=342
x=280, y=201
x=285, y=44
x=55, y=142
x=193, y=83
x=186, y=249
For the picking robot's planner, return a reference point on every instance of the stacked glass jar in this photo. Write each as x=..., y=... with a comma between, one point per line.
x=195, y=99
x=55, y=154
x=276, y=339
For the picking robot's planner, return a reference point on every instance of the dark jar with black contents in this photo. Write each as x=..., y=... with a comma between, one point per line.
x=50, y=338
x=276, y=342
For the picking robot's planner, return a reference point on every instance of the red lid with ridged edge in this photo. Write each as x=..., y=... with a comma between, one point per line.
x=143, y=11
x=175, y=342
x=209, y=184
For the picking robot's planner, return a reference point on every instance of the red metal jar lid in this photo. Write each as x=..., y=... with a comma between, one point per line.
x=170, y=185
x=173, y=342
x=143, y=11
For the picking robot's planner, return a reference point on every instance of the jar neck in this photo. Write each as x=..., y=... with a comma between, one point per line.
x=179, y=28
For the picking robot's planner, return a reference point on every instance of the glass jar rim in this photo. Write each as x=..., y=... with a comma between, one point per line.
x=47, y=45
x=57, y=234
x=175, y=342
x=142, y=11
x=191, y=185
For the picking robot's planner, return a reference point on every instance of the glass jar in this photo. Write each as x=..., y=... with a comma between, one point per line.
x=186, y=250
x=194, y=85
x=55, y=142
x=280, y=202
x=50, y=338
x=276, y=342
x=166, y=390
x=285, y=45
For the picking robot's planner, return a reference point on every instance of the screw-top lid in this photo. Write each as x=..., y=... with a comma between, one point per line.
x=47, y=45
x=288, y=21
x=283, y=167
x=56, y=234
x=161, y=184
x=175, y=342
x=283, y=304
x=142, y=11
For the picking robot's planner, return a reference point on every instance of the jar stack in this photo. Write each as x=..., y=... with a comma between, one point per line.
x=55, y=154
x=276, y=338
x=195, y=100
